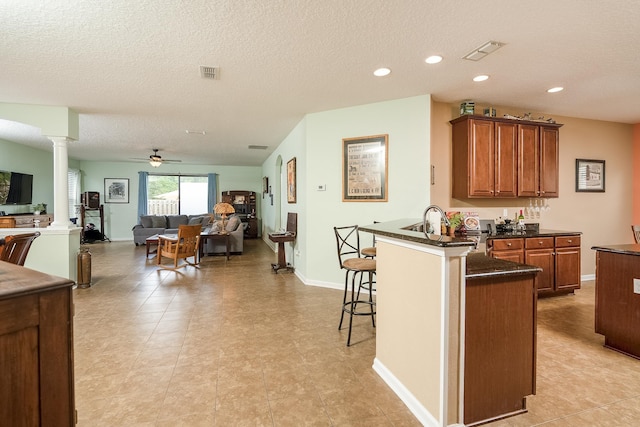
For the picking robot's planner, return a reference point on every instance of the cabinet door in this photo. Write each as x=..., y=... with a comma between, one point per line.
x=506, y=164
x=568, y=268
x=481, y=159
x=542, y=258
x=528, y=160
x=549, y=162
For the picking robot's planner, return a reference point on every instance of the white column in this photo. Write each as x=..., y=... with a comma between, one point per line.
x=60, y=184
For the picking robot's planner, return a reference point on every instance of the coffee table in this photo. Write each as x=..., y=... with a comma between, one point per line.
x=204, y=236
x=150, y=242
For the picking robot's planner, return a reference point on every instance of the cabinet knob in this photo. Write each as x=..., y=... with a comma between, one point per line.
x=539, y=242
x=508, y=244
x=569, y=241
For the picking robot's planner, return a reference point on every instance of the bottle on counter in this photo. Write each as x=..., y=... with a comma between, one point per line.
x=521, y=225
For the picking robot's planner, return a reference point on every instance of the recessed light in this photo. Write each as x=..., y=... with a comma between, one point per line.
x=555, y=89
x=433, y=59
x=480, y=78
x=381, y=72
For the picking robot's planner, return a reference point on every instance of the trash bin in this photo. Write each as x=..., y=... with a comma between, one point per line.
x=84, y=268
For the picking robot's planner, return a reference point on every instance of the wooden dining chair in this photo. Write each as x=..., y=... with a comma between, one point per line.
x=16, y=247
x=183, y=246
x=636, y=232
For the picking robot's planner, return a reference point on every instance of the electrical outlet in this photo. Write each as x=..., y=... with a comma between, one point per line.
x=636, y=286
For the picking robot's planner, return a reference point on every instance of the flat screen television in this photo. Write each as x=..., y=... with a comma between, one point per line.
x=19, y=191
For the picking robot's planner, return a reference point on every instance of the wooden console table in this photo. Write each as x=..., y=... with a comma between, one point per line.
x=26, y=221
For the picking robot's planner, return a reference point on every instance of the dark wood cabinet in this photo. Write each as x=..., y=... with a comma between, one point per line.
x=557, y=256
x=538, y=161
x=36, y=349
x=567, y=269
x=539, y=252
x=506, y=249
x=500, y=346
x=484, y=159
x=504, y=158
x=244, y=202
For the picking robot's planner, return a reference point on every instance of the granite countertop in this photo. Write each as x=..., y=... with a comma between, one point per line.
x=633, y=249
x=479, y=265
x=400, y=229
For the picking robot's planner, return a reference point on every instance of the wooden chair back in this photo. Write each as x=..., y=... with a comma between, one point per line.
x=16, y=247
x=186, y=245
x=636, y=232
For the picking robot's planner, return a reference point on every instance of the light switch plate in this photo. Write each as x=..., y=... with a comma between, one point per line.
x=322, y=187
x=636, y=286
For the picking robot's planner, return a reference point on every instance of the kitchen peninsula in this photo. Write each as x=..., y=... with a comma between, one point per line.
x=455, y=329
x=618, y=297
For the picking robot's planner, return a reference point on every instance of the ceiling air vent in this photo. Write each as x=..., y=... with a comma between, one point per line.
x=212, y=73
x=258, y=147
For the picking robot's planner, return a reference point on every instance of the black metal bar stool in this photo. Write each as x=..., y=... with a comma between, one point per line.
x=349, y=257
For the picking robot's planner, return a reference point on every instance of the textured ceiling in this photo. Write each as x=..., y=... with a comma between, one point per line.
x=131, y=68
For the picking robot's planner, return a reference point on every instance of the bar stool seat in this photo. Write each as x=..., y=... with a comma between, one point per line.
x=369, y=252
x=349, y=257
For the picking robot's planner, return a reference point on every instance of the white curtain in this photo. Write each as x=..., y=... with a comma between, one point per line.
x=73, y=180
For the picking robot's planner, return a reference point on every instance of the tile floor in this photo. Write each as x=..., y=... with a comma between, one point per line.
x=232, y=343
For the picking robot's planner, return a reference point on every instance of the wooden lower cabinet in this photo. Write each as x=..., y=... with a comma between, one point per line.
x=36, y=349
x=558, y=256
x=500, y=346
x=507, y=249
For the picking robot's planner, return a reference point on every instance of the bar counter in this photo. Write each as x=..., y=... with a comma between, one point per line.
x=618, y=297
x=455, y=330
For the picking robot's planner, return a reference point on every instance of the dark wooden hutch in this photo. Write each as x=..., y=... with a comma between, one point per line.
x=244, y=202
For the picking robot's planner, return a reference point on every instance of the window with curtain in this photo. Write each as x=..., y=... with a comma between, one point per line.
x=73, y=182
x=177, y=194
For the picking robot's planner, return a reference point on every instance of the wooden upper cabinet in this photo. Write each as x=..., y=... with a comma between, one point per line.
x=549, y=161
x=484, y=159
x=504, y=158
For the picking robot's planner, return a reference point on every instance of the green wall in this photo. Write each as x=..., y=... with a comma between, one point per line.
x=39, y=163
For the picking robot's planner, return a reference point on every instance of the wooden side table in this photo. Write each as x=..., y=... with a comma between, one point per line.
x=150, y=242
x=205, y=236
x=281, y=239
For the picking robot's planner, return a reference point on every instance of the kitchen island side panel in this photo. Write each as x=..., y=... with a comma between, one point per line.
x=617, y=306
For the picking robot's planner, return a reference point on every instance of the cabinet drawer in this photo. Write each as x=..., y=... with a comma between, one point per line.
x=507, y=244
x=539, y=243
x=24, y=222
x=567, y=241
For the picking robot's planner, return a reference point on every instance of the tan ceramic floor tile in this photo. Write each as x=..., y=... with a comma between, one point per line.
x=232, y=343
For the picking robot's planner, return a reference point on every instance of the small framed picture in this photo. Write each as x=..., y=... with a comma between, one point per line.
x=291, y=181
x=265, y=184
x=590, y=175
x=116, y=190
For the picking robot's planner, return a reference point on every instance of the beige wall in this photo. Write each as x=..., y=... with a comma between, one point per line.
x=603, y=218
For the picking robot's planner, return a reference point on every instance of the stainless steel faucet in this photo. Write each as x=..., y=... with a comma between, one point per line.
x=442, y=216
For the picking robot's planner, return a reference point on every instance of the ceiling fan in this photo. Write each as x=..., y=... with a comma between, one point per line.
x=156, y=160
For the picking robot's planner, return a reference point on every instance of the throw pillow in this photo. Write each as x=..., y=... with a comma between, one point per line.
x=158, y=221
x=195, y=220
x=146, y=221
x=173, y=221
x=232, y=223
x=216, y=227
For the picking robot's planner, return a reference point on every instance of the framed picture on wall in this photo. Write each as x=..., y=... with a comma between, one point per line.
x=265, y=184
x=116, y=190
x=364, y=169
x=590, y=175
x=291, y=181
